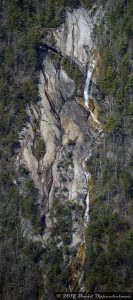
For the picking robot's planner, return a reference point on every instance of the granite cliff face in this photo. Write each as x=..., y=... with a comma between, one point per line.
x=63, y=121
x=66, y=160
x=75, y=39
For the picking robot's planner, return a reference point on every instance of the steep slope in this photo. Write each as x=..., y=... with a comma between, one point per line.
x=66, y=148
x=61, y=121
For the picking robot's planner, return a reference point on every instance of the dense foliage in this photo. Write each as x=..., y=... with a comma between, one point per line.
x=73, y=72
x=109, y=234
x=23, y=23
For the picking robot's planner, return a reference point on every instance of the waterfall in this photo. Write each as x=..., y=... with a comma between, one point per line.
x=87, y=208
x=87, y=174
x=94, y=118
x=86, y=94
x=86, y=98
x=87, y=83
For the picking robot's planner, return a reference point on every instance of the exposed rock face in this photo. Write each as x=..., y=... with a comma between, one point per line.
x=62, y=123
x=75, y=38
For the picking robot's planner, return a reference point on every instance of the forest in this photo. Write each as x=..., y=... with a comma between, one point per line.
x=109, y=234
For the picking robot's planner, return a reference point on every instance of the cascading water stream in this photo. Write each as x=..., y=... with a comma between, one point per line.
x=86, y=91
x=86, y=98
x=86, y=94
x=88, y=175
x=87, y=83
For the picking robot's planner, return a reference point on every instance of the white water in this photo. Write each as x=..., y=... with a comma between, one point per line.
x=94, y=118
x=86, y=99
x=86, y=94
x=87, y=83
x=87, y=174
x=96, y=121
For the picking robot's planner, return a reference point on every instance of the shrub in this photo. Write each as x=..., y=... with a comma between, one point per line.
x=126, y=181
x=86, y=3
x=113, y=124
x=40, y=149
x=108, y=83
x=72, y=71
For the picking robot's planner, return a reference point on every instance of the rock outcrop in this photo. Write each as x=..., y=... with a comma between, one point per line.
x=75, y=39
x=62, y=123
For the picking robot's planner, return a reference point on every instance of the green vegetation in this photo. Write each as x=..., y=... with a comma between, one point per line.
x=22, y=25
x=108, y=257
x=126, y=181
x=55, y=269
x=24, y=277
x=56, y=257
x=29, y=207
x=109, y=235
x=40, y=149
x=63, y=225
x=68, y=161
x=86, y=3
x=73, y=72
x=71, y=142
x=112, y=124
x=116, y=71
